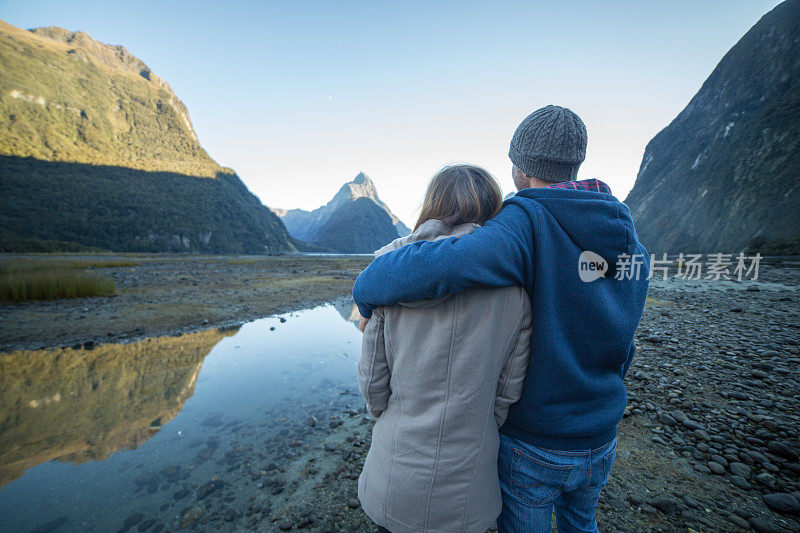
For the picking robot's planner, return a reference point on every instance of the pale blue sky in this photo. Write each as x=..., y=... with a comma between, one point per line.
x=298, y=97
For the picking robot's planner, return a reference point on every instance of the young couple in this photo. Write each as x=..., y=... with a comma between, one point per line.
x=495, y=373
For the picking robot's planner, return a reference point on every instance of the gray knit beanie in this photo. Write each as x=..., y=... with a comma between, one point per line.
x=550, y=144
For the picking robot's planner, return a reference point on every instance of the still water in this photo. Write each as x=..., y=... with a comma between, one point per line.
x=90, y=438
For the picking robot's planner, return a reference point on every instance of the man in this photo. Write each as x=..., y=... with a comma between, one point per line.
x=573, y=246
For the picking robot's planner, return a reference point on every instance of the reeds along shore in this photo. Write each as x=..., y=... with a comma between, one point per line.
x=24, y=280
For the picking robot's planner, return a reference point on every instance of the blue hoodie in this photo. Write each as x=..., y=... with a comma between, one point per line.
x=582, y=342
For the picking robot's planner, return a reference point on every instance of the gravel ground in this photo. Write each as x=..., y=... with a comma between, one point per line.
x=711, y=436
x=709, y=442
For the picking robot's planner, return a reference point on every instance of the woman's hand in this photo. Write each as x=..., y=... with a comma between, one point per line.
x=363, y=324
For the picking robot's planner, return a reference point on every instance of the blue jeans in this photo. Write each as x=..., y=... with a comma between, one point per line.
x=535, y=480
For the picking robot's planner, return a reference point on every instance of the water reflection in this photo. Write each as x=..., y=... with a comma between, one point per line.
x=80, y=405
x=131, y=424
x=349, y=311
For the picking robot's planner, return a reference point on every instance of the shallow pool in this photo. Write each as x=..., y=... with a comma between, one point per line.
x=127, y=435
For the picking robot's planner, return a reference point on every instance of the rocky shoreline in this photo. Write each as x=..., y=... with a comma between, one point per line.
x=711, y=435
x=709, y=441
x=713, y=410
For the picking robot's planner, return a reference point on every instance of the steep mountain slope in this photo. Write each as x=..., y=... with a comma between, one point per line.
x=725, y=173
x=97, y=150
x=304, y=225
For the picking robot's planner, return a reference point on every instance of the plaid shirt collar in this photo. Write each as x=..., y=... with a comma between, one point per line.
x=585, y=185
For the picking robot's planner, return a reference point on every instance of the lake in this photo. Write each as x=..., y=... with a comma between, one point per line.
x=130, y=435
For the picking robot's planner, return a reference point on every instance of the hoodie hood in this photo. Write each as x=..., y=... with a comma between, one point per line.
x=430, y=230
x=594, y=222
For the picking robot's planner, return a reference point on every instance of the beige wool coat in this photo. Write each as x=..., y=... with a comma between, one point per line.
x=440, y=375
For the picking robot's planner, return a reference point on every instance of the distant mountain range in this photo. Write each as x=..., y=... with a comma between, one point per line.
x=97, y=151
x=725, y=174
x=354, y=221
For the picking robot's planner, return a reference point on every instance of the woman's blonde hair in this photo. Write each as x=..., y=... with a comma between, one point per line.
x=458, y=194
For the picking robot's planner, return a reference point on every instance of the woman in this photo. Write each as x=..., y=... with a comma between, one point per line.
x=439, y=375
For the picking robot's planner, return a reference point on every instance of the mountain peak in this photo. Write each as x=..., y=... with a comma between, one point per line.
x=361, y=187
x=362, y=179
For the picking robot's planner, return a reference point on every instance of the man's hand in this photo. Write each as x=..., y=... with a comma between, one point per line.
x=363, y=324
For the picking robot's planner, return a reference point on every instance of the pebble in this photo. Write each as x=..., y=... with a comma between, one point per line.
x=190, y=516
x=703, y=469
x=648, y=509
x=693, y=424
x=740, y=469
x=209, y=488
x=761, y=526
x=691, y=502
x=131, y=521
x=664, y=418
x=679, y=415
x=766, y=479
x=740, y=482
x=756, y=456
x=353, y=503
x=719, y=459
x=782, y=450
x=668, y=505
x=739, y=521
x=782, y=502
x=716, y=468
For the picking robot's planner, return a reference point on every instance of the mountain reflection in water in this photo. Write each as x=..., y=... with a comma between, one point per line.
x=81, y=405
x=349, y=311
x=89, y=438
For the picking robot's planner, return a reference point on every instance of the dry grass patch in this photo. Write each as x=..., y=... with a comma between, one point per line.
x=52, y=285
x=23, y=280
